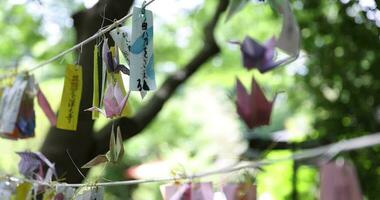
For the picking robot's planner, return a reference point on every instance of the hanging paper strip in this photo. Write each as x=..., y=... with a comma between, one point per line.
x=240, y=191
x=142, y=76
x=70, y=101
x=45, y=106
x=26, y=119
x=122, y=38
x=23, y=191
x=95, y=94
x=10, y=105
x=339, y=182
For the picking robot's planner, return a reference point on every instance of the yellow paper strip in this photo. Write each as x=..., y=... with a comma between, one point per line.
x=70, y=100
x=23, y=191
x=95, y=94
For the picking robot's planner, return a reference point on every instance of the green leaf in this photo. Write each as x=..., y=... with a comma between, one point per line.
x=234, y=7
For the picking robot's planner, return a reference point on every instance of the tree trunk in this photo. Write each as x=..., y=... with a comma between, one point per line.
x=84, y=144
x=81, y=143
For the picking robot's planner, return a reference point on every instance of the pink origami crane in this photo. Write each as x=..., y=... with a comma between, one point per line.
x=114, y=101
x=254, y=109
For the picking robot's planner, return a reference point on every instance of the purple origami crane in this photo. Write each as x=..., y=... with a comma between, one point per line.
x=112, y=62
x=114, y=101
x=254, y=109
x=259, y=56
x=32, y=166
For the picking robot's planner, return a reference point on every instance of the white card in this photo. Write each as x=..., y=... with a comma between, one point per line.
x=11, y=104
x=142, y=77
x=122, y=38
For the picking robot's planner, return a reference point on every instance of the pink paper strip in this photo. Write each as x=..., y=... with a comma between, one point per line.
x=44, y=104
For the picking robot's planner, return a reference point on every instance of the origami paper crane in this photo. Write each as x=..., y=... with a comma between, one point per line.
x=254, y=109
x=114, y=101
x=255, y=55
x=111, y=61
x=32, y=166
x=114, y=155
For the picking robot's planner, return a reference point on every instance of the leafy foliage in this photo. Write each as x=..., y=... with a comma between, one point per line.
x=343, y=81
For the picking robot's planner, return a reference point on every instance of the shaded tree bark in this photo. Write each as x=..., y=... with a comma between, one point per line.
x=84, y=144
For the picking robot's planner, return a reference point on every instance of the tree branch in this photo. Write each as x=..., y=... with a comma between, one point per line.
x=132, y=126
x=265, y=144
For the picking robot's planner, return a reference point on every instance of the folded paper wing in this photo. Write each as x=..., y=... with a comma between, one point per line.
x=115, y=153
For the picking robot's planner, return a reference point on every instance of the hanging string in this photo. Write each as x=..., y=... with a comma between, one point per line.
x=329, y=151
x=77, y=46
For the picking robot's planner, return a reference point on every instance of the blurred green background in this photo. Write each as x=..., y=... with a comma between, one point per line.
x=330, y=93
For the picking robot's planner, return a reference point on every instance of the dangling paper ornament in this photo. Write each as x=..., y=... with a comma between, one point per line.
x=10, y=105
x=254, y=109
x=142, y=76
x=259, y=56
x=71, y=96
x=45, y=106
x=23, y=191
x=114, y=99
x=339, y=182
x=26, y=120
x=19, y=99
x=32, y=166
x=95, y=94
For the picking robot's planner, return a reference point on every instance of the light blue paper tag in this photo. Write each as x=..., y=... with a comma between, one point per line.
x=142, y=77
